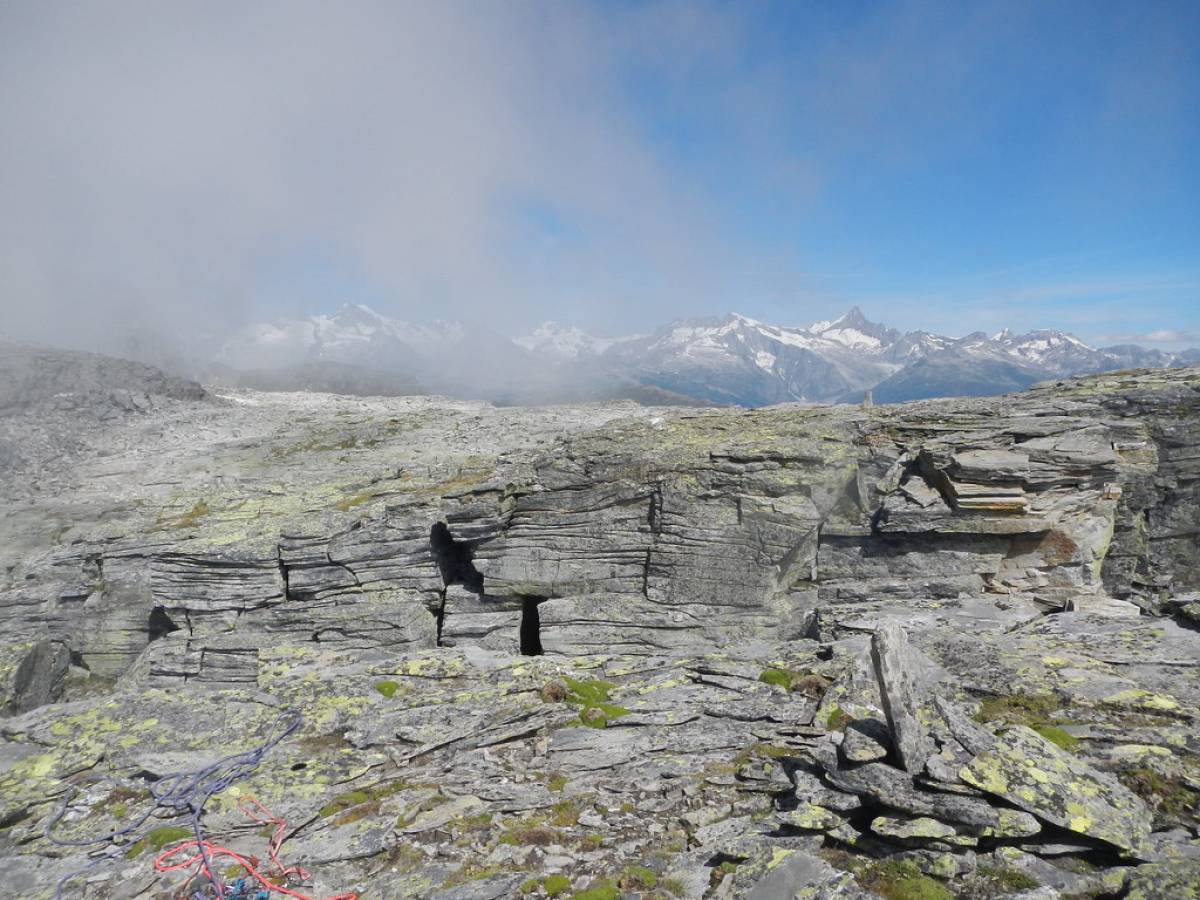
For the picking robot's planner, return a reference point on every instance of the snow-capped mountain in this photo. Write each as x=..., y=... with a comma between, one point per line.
x=740, y=360
x=355, y=334
x=565, y=342
x=734, y=359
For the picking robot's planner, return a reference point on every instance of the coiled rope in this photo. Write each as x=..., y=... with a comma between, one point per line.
x=187, y=793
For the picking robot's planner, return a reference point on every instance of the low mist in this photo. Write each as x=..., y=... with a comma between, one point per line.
x=173, y=171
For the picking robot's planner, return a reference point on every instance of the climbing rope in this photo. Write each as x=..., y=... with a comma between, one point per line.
x=258, y=886
x=188, y=793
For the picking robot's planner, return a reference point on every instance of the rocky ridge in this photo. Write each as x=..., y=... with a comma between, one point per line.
x=948, y=646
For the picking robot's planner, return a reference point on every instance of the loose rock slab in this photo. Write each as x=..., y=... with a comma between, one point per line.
x=1030, y=772
x=893, y=660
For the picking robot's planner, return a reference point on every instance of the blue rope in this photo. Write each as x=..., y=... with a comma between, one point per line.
x=179, y=793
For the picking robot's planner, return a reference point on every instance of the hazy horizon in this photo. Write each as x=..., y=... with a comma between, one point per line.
x=172, y=171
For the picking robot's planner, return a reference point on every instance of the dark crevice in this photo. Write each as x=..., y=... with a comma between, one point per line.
x=531, y=627
x=454, y=559
x=654, y=517
x=283, y=573
x=159, y=624
x=439, y=615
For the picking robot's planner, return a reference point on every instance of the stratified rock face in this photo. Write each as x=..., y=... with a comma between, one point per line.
x=722, y=635
x=659, y=533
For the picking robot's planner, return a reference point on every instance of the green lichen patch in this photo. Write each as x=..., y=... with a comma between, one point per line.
x=1178, y=879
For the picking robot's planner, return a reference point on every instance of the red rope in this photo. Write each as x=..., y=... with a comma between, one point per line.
x=255, y=811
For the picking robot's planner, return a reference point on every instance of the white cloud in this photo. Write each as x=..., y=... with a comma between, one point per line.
x=153, y=155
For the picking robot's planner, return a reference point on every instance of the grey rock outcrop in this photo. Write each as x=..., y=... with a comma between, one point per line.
x=656, y=621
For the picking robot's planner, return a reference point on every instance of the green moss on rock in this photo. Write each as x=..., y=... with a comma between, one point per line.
x=158, y=838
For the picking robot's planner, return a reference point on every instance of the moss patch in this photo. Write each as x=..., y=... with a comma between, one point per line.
x=722, y=871
x=343, y=802
x=592, y=697
x=806, y=683
x=892, y=879
x=1034, y=711
x=838, y=719
x=387, y=688
x=157, y=838
x=1166, y=793
x=674, y=887
x=605, y=890
x=1000, y=880
x=637, y=878
x=551, y=885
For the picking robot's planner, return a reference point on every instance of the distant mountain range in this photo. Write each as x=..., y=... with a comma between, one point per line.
x=730, y=360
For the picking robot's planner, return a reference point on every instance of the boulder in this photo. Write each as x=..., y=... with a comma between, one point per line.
x=1060, y=788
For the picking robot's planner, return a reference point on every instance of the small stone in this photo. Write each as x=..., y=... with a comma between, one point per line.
x=865, y=740
x=810, y=817
x=1175, y=878
x=973, y=737
x=918, y=830
x=554, y=691
x=1013, y=823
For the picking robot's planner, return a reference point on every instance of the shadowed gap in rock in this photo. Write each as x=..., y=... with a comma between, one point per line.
x=531, y=627
x=159, y=623
x=453, y=559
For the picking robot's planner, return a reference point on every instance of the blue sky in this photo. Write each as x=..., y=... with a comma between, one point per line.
x=948, y=166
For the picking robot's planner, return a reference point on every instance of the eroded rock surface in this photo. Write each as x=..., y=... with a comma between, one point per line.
x=675, y=652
